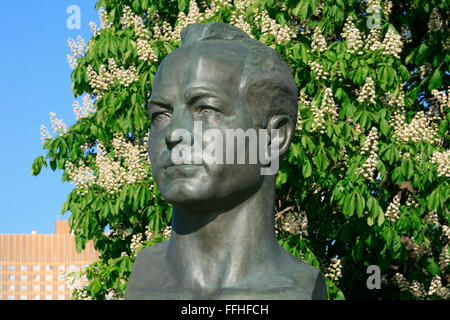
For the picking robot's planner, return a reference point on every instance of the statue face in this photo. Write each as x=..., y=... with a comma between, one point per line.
x=200, y=84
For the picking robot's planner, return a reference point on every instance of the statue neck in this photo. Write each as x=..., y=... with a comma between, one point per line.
x=228, y=243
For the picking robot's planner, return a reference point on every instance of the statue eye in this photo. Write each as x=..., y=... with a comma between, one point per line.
x=208, y=111
x=161, y=117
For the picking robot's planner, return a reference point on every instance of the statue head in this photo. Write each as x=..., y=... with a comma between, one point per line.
x=218, y=82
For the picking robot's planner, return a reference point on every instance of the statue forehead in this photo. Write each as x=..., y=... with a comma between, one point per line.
x=209, y=63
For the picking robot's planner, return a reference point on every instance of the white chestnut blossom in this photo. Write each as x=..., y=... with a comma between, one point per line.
x=334, y=271
x=370, y=147
x=145, y=51
x=81, y=175
x=84, y=110
x=328, y=105
x=435, y=23
x=401, y=282
x=411, y=202
x=131, y=20
x=318, y=119
x=406, y=35
x=353, y=37
x=442, y=161
x=94, y=28
x=392, y=43
x=78, y=49
x=393, y=210
x=58, y=125
x=393, y=100
x=367, y=92
x=237, y=19
x=127, y=166
x=318, y=42
x=436, y=288
x=45, y=135
x=112, y=173
x=104, y=19
x=444, y=258
x=446, y=232
x=421, y=128
x=293, y=222
x=388, y=8
x=373, y=40
x=327, y=108
x=439, y=101
x=106, y=76
x=317, y=68
x=270, y=27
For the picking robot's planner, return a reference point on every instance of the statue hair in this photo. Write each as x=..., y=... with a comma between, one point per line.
x=266, y=81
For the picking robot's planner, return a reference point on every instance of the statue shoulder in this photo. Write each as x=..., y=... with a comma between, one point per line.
x=310, y=279
x=313, y=279
x=148, y=270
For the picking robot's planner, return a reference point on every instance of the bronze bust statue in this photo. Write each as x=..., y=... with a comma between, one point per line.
x=223, y=243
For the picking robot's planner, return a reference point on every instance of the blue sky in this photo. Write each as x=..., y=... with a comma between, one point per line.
x=35, y=79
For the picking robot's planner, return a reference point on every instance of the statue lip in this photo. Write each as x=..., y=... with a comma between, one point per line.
x=170, y=164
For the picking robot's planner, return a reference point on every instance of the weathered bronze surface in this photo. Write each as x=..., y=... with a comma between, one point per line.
x=223, y=243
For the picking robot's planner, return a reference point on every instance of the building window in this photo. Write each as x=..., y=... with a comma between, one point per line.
x=62, y=277
x=11, y=277
x=11, y=287
x=37, y=268
x=61, y=297
x=61, y=267
x=1, y=289
x=48, y=277
x=61, y=287
x=1, y=267
x=36, y=287
x=37, y=277
x=48, y=267
x=36, y=297
x=23, y=287
x=23, y=297
x=11, y=297
x=48, y=287
x=11, y=267
x=74, y=268
x=23, y=277
x=1, y=277
x=23, y=267
x=48, y=297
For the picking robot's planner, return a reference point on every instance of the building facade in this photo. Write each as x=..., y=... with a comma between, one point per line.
x=32, y=266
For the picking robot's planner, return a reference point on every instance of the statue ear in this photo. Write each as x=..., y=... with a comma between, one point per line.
x=285, y=128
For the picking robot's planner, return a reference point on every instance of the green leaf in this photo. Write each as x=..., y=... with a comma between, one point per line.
x=95, y=286
x=183, y=4
x=384, y=126
x=360, y=205
x=404, y=72
x=443, y=126
x=349, y=205
x=380, y=216
x=436, y=80
x=307, y=168
x=37, y=165
x=433, y=200
x=433, y=267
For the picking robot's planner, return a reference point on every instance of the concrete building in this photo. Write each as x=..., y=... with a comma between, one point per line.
x=32, y=265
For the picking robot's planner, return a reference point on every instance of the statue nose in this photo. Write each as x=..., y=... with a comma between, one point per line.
x=179, y=128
